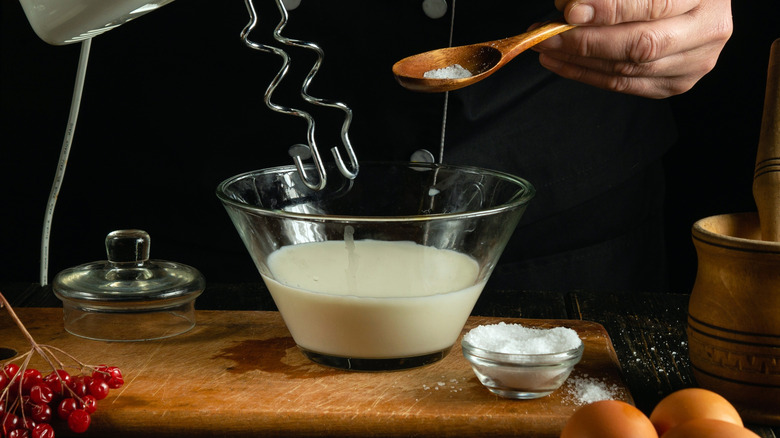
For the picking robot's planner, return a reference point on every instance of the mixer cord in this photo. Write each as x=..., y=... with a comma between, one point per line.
x=59, y=175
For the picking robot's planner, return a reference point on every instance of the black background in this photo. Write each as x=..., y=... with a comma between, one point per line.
x=146, y=85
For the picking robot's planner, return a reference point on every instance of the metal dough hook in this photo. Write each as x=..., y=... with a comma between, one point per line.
x=301, y=152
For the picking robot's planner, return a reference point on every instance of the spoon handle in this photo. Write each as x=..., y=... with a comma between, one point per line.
x=766, y=180
x=514, y=45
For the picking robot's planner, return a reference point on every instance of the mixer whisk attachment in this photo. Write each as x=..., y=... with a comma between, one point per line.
x=302, y=152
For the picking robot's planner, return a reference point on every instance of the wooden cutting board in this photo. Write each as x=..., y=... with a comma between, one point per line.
x=240, y=374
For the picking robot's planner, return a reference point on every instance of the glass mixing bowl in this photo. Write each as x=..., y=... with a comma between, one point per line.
x=380, y=272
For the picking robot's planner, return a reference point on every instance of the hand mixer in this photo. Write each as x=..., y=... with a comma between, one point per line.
x=60, y=22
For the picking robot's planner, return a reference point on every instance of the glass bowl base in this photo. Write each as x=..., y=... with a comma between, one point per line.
x=382, y=364
x=519, y=395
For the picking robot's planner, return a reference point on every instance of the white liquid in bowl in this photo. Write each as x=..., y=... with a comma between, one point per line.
x=373, y=299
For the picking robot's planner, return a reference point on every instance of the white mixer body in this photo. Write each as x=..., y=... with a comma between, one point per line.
x=59, y=22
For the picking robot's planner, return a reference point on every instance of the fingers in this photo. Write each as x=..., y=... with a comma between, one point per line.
x=639, y=42
x=673, y=73
x=698, y=60
x=651, y=81
x=605, y=12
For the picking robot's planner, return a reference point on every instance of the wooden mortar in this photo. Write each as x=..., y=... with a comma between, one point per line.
x=734, y=309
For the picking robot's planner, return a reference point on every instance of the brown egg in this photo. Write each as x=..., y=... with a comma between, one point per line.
x=709, y=428
x=608, y=419
x=689, y=404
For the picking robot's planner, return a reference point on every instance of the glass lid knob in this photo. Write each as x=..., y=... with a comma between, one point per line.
x=128, y=246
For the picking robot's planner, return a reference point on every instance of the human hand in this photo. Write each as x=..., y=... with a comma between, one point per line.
x=651, y=48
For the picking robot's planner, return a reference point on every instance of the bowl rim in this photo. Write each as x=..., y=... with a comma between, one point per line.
x=703, y=232
x=525, y=196
x=470, y=349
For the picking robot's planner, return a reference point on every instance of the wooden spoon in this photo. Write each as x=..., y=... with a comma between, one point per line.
x=481, y=60
x=766, y=182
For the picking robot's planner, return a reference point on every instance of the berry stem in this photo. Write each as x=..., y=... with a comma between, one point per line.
x=35, y=346
x=15, y=318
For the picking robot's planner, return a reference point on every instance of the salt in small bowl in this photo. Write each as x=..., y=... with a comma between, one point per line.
x=521, y=376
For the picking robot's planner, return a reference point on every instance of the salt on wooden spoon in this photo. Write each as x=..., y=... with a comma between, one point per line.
x=480, y=60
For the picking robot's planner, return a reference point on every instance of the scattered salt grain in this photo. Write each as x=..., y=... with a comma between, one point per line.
x=586, y=390
x=518, y=339
x=454, y=71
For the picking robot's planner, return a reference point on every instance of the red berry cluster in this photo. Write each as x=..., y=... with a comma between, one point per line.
x=29, y=401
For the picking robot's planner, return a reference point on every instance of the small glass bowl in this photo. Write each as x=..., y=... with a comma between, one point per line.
x=521, y=376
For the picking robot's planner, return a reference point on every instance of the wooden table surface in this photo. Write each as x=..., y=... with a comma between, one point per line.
x=647, y=330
